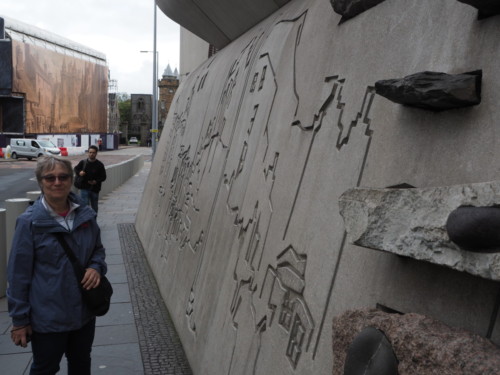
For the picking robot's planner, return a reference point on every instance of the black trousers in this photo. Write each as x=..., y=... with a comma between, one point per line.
x=48, y=349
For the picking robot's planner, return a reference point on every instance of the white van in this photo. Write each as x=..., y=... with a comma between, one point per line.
x=32, y=148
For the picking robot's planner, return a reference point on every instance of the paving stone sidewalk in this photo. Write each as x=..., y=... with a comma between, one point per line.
x=161, y=349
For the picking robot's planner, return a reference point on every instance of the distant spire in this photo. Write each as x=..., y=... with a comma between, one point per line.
x=168, y=72
x=176, y=73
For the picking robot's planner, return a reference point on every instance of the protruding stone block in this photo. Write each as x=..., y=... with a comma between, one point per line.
x=433, y=90
x=412, y=223
x=487, y=8
x=421, y=344
x=351, y=8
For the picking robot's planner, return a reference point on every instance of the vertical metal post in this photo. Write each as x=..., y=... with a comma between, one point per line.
x=154, y=128
x=3, y=253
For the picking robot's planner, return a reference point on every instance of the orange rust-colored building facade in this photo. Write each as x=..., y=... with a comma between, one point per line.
x=50, y=85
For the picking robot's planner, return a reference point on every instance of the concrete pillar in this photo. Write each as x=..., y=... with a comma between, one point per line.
x=3, y=254
x=14, y=207
x=33, y=195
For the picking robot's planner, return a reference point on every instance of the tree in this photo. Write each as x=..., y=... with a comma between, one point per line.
x=125, y=108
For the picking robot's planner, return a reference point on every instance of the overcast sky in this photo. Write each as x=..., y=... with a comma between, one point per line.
x=117, y=28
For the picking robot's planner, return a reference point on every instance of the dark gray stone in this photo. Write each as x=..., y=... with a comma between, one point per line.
x=475, y=228
x=351, y=8
x=487, y=8
x=433, y=90
x=371, y=353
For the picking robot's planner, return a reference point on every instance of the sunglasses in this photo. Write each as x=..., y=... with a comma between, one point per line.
x=52, y=178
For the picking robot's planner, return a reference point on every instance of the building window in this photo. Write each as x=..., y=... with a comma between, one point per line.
x=140, y=105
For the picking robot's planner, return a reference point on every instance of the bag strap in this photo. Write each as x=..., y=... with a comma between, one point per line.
x=84, y=165
x=77, y=267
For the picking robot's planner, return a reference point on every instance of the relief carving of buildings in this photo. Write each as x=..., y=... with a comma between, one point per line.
x=242, y=217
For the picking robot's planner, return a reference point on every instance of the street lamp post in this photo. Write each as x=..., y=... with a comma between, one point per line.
x=155, y=86
x=154, y=107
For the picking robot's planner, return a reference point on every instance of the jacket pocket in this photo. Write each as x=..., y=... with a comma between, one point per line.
x=48, y=251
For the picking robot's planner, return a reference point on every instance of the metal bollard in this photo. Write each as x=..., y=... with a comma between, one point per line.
x=14, y=207
x=3, y=254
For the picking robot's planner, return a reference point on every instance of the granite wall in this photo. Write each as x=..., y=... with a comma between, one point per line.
x=240, y=218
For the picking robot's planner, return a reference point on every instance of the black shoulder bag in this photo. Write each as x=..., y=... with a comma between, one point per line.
x=97, y=299
x=79, y=179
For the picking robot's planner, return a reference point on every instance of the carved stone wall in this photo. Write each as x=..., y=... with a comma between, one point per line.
x=240, y=218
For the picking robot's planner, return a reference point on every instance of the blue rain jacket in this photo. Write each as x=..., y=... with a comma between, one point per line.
x=43, y=290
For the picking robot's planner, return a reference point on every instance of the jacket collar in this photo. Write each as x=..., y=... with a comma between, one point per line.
x=42, y=218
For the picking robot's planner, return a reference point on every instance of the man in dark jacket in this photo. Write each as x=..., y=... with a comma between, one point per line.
x=93, y=173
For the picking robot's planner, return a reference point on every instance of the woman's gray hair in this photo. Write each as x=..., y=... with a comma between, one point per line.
x=47, y=163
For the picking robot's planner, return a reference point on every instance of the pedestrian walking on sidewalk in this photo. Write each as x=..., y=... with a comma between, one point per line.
x=93, y=173
x=44, y=294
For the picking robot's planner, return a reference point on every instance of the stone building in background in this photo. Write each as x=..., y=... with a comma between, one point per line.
x=140, y=118
x=168, y=86
x=141, y=122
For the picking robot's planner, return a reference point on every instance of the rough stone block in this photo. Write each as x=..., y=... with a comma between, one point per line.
x=422, y=345
x=412, y=223
x=351, y=8
x=432, y=90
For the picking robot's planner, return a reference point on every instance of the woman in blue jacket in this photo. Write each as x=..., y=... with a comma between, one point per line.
x=44, y=298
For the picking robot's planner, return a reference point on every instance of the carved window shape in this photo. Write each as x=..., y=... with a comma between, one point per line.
x=285, y=318
x=296, y=341
x=262, y=77
x=202, y=82
x=252, y=120
x=242, y=158
x=254, y=82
